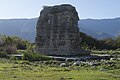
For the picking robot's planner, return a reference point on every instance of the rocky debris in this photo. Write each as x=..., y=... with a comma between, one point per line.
x=103, y=69
x=58, y=32
x=118, y=58
x=82, y=58
x=62, y=64
x=77, y=63
x=111, y=59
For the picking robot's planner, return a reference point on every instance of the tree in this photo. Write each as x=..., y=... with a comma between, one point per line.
x=88, y=41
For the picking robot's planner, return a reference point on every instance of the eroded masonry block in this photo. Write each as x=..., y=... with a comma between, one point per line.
x=57, y=31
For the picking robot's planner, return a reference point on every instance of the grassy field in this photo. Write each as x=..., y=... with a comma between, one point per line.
x=23, y=70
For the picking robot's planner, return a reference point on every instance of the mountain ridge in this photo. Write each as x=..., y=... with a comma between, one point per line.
x=26, y=28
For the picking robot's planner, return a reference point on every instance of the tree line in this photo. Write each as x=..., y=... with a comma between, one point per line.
x=10, y=44
x=89, y=42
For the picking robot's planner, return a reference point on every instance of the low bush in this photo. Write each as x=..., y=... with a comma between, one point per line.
x=3, y=55
x=35, y=57
x=13, y=58
x=10, y=49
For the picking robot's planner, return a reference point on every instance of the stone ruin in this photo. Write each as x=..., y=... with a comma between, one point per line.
x=58, y=32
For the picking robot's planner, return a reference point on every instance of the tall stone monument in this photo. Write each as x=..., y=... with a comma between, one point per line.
x=57, y=31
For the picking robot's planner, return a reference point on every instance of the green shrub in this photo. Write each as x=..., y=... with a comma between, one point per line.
x=35, y=57
x=3, y=55
x=21, y=51
x=10, y=49
x=13, y=58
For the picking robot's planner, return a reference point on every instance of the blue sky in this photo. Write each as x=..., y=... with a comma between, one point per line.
x=95, y=9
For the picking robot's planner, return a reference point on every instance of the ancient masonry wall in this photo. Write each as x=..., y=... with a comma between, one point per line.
x=57, y=31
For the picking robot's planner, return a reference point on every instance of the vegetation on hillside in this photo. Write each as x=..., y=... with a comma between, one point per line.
x=11, y=44
x=89, y=42
x=15, y=45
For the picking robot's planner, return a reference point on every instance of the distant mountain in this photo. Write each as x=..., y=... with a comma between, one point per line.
x=25, y=28
x=95, y=34
x=102, y=28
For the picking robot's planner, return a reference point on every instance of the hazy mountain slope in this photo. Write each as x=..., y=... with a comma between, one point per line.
x=108, y=26
x=25, y=28
x=95, y=34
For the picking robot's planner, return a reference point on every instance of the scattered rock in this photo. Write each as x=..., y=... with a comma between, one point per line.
x=111, y=59
x=103, y=69
x=77, y=63
x=63, y=65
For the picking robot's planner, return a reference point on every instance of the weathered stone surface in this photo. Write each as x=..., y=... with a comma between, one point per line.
x=57, y=31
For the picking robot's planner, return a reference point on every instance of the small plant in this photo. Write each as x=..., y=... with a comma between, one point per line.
x=13, y=58
x=3, y=55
